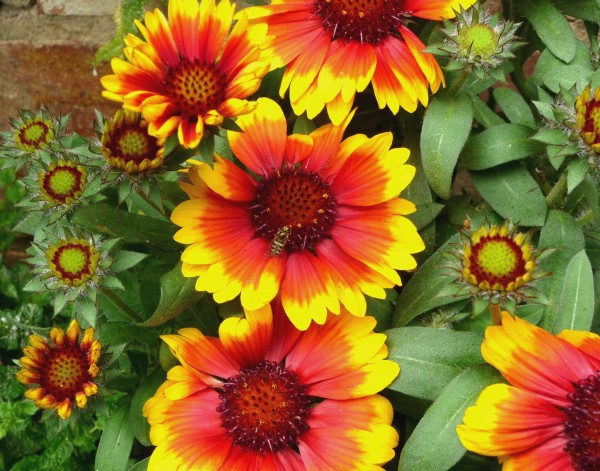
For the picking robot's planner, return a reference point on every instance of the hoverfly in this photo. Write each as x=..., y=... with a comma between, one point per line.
x=280, y=239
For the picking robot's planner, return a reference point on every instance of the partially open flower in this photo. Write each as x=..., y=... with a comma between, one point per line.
x=62, y=183
x=35, y=133
x=126, y=144
x=73, y=261
x=498, y=262
x=588, y=118
x=60, y=374
x=479, y=41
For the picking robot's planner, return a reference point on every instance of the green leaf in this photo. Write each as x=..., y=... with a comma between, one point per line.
x=426, y=371
x=576, y=303
x=431, y=286
x=115, y=442
x=125, y=260
x=140, y=465
x=498, y=145
x=578, y=169
x=176, y=294
x=555, y=137
x=505, y=188
x=514, y=106
x=137, y=421
x=563, y=238
x=552, y=27
x=105, y=219
x=446, y=126
x=117, y=333
x=434, y=444
x=303, y=125
x=585, y=9
x=483, y=114
x=425, y=214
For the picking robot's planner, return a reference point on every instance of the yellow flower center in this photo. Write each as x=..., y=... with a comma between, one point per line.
x=497, y=257
x=582, y=427
x=293, y=209
x=73, y=261
x=35, y=133
x=479, y=39
x=62, y=183
x=133, y=144
x=366, y=21
x=65, y=372
x=264, y=408
x=195, y=88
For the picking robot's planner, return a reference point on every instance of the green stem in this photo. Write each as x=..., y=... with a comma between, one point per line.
x=586, y=218
x=124, y=308
x=458, y=83
x=557, y=190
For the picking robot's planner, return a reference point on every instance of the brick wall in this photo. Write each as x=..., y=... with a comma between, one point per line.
x=46, y=49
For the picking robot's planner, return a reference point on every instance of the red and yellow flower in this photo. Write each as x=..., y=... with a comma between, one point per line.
x=334, y=49
x=63, y=372
x=588, y=118
x=190, y=71
x=62, y=183
x=321, y=225
x=548, y=418
x=126, y=144
x=267, y=396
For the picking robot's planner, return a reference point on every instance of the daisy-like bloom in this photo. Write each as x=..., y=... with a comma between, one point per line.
x=73, y=261
x=267, y=396
x=35, y=133
x=548, y=418
x=62, y=183
x=60, y=374
x=189, y=72
x=498, y=261
x=333, y=49
x=126, y=144
x=587, y=107
x=322, y=223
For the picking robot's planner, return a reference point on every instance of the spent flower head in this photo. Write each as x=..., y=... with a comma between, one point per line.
x=478, y=41
x=61, y=373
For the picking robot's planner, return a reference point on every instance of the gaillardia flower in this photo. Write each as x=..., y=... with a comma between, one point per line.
x=35, y=133
x=548, y=418
x=497, y=261
x=333, y=49
x=126, y=144
x=188, y=72
x=63, y=372
x=267, y=396
x=588, y=118
x=62, y=183
x=321, y=224
x=73, y=261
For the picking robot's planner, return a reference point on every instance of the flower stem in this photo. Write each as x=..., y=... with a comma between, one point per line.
x=557, y=190
x=586, y=218
x=124, y=308
x=458, y=83
x=495, y=313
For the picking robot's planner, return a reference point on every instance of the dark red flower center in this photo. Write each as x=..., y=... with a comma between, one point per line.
x=132, y=143
x=195, y=87
x=592, y=120
x=293, y=209
x=65, y=372
x=497, y=259
x=63, y=182
x=582, y=427
x=367, y=21
x=264, y=408
x=35, y=133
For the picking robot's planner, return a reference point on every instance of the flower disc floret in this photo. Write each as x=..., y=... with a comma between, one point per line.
x=588, y=118
x=548, y=416
x=63, y=371
x=190, y=71
x=126, y=144
x=267, y=396
x=73, y=261
x=62, y=183
x=33, y=134
x=497, y=259
x=315, y=219
x=333, y=49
